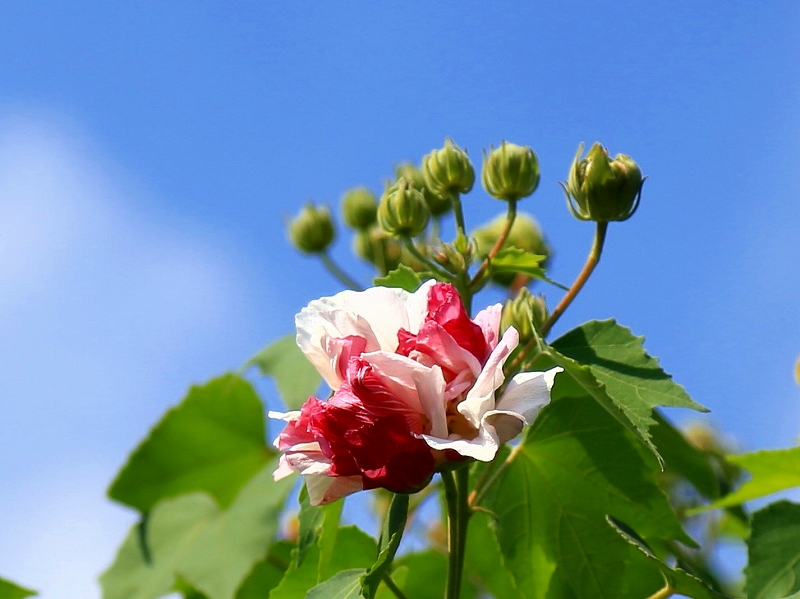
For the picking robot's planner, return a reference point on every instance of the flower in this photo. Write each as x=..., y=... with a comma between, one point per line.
x=414, y=381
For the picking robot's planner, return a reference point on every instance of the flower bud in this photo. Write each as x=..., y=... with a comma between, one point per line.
x=510, y=172
x=438, y=205
x=403, y=211
x=312, y=230
x=377, y=248
x=602, y=189
x=359, y=208
x=448, y=170
x=526, y=313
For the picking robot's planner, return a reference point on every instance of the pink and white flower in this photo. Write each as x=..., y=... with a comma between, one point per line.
x=414, y=382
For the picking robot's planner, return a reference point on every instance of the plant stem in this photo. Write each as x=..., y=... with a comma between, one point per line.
x=458, y=211
x=435, y=268
x=510, y=217
x=456, y=488
x=588, y=268
x=337, y=272
x=392, y=586
x=479, y=493
x=664, y=593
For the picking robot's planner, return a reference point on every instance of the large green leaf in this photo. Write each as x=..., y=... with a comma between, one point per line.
x=773, y=568
x=295, y=377
x=9, y=590
x=403, y=278
x=336, y=549
x=680, y=581
x=213, y=441
x=772, y=471
x=484, y=560
x=577, y=465
x=191, y=538
x=611, y=364
x=268, y=573
x=391, y=535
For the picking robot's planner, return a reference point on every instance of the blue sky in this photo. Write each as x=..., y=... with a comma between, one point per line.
x=150, y=152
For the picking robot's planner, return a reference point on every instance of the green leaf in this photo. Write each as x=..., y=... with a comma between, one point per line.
x=514, y=260
x=681, y=582
x=9, y=590
x=213, y=441
x=310, y=519
x=344, y=585
x=191, y=538
x=577, y=465
x=485, y=562
x=343, y=548
x=772, y=471
x=403, y=278
x=296, y=378
x=611, y=364
x=268, y=573
x=684, y=459
x=393, y=528
x=773, y=568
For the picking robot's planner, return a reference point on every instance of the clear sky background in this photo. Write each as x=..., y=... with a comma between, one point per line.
x=150, y=152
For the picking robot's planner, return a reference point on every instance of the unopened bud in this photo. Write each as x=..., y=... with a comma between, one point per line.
x=438, y=205
x=359, y=208
x=510, y=172
x=602, y=189
x=448, y=170
x=526, y=313
x=312, y=230
x=377, y=248
x=403, y=211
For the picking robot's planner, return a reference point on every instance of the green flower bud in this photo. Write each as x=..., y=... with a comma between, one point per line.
x=438, y=205
x=510, y=172
x=526, y=313
x=359, y=208
x=601, y=189
x=377, y=248
x=525, y=235
x=448, y=170
x=312, y=230
x=403, y=211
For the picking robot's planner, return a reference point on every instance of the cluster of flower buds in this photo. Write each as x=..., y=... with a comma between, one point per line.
x=439, y=205
x=602, y=189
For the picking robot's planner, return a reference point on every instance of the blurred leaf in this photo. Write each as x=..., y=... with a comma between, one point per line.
x=346, y=547
x=191, y=538
x=213, y=441
x=344, y=585
x=772, y=471
x=576, y=465
x=684, y=459
x=423, y=575
x=773, y=568
x=296, y=378
x=485, y=562
x=268, y=573
x=611, y=364
x=9, y=590
x=681, y=582
x=310, y=519
x=403, y=278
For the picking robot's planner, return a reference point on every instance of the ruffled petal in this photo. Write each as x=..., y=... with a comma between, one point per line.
x=326, y=489
x=527, y=393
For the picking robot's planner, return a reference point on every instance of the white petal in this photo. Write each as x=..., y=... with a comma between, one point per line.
x=488, y=320
x=285, y=416
x=480, y=399
x=483, y=447
x=325, y=489
x=527, y=393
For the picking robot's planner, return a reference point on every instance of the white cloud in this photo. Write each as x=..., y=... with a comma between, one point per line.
x=107, y=312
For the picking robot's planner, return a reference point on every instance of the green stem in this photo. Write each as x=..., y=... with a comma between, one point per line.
x=392, y=586
x=456, y=487
x=435, y=268
x=664, y=593
x=458, y=211
x=337, y=272
x=511, y=215
x=588, y=268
